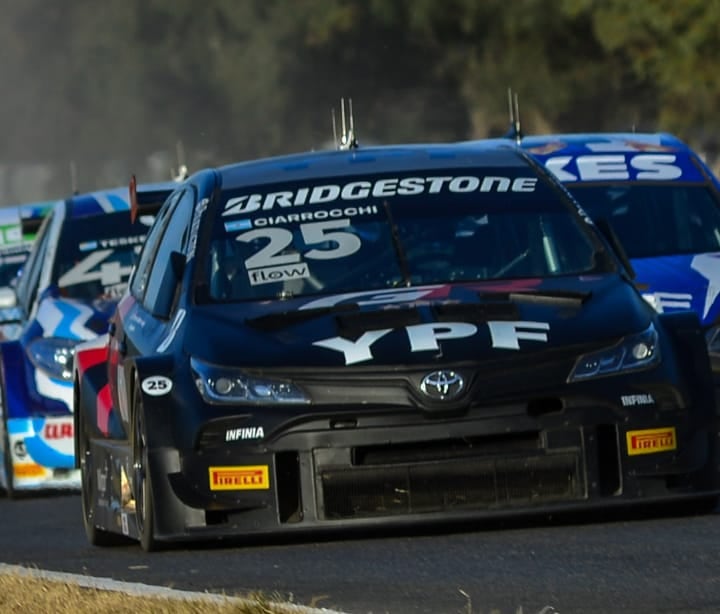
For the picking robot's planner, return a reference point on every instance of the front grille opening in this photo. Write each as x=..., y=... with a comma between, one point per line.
x=287, y=480
x=424, y=451
x=540, y=407
x=60, y=473
x=463, y=484
x=608, y=453
x=214, y=517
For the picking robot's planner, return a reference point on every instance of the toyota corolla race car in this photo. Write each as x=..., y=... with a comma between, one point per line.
x=69, y=287
x=382, y=336
x=660, y=199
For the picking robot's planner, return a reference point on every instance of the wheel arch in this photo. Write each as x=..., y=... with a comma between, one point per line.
x=693, y=361
x=157, y=409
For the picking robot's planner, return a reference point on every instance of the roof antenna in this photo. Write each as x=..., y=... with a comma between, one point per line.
x=73, y=178
x=347, y=138
x=335, y=139
x=515, y=131
x=182, y=171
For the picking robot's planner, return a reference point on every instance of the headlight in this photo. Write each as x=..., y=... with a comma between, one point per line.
x=53, y=355
x=224, y=385
x=640, y=351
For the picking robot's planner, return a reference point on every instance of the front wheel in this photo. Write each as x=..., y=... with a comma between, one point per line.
x=7, y=460
x=142, y=483
x=7, y=451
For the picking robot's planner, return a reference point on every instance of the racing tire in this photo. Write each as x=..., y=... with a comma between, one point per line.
x=88, y=491
x=7, y=459
x=10, y=491
x=142, y=483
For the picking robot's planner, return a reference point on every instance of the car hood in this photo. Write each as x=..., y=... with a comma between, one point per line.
x=452, y=323
x=72, y=319
x=672, y=283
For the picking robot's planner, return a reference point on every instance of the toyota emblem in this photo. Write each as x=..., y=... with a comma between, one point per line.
x=442, y=385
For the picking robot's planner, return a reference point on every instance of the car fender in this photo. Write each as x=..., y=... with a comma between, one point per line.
x=15, y=380
x=688, y=339
x=161, y=419
x=91, y=390
x=154, y=376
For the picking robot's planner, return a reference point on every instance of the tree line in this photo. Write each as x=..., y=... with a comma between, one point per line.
x=107, y=85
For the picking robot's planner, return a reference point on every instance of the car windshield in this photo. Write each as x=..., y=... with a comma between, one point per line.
x=95, y=254
x=349, y=240
x=656, y=220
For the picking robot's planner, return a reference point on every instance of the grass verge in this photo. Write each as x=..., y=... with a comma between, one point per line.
x=24, y=594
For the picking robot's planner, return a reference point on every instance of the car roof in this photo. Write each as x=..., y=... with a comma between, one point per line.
x=367, y=160
x=618, y=156
x=115, y=199
x=612, y=142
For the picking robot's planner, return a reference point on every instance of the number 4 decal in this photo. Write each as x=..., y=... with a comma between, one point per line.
x=110, y=273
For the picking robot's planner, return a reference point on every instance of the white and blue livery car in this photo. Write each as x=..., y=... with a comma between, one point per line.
x=78, y=267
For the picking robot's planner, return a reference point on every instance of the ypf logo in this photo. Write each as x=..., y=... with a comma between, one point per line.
x=442, y=385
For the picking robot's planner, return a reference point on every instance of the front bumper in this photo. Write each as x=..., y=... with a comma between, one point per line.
x=339, y=473
x=42, y=455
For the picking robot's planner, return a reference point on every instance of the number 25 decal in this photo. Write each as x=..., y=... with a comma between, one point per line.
x=280, y=239
x=110, y=273
x=156, y=385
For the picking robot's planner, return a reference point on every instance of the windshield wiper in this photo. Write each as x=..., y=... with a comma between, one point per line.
x=282, y=319
x=548, y=297
x=394, y=233
x=519, y=258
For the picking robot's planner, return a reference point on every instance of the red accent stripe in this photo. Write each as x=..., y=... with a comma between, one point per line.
x=104, y=407
x=87, y=359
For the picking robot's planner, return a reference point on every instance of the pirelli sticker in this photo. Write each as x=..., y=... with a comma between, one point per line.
x=650, y=441
x=251, y=477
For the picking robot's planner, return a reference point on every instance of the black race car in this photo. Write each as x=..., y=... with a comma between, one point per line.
x=383, y=336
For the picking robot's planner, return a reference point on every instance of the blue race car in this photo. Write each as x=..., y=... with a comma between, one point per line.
x=78, y=267
x=661, y=200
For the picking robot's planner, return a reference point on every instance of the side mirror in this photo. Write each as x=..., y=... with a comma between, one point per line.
x=171, y=277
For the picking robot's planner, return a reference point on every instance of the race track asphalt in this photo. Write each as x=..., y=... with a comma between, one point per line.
x=635, y=563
